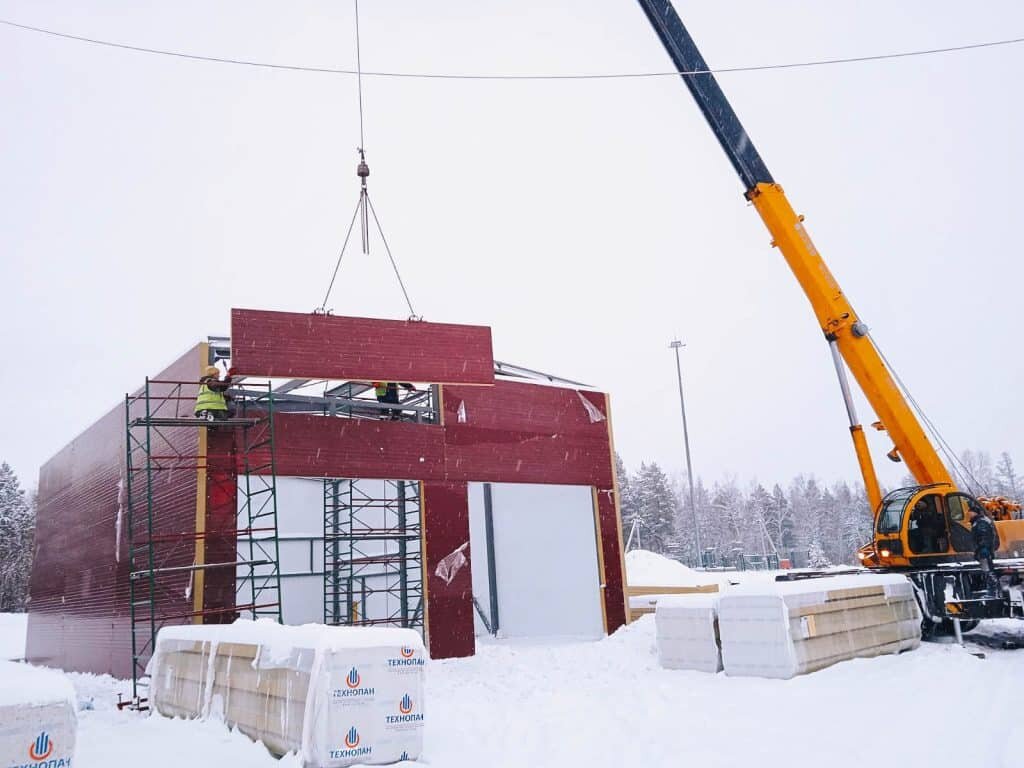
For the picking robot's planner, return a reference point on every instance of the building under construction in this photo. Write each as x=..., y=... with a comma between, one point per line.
x=484, y=501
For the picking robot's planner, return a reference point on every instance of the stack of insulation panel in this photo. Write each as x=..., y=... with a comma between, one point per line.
x=37, y=717
x=335, y=695
x=782, y=629
x=686, y=628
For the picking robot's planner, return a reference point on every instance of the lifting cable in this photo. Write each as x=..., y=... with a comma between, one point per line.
x=364, y=207
x=960, y=470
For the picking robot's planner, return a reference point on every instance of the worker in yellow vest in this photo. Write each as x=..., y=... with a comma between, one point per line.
x=387, y=392
x=212, y=400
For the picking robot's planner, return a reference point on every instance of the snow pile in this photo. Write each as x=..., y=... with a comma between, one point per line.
x=783, y=629
x=687, y=632
x=648, y=569
x=37, y=716
x=336, y=695
x=13, y=627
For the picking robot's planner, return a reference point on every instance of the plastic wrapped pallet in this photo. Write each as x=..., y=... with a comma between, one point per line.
x=686, y=631
x=37, y=717
x=782, y=629
x=335, y=695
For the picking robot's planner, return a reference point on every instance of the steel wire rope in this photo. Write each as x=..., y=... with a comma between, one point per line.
x=394, y=266
x=344, y=245
x=943, y=444
x=495, y=77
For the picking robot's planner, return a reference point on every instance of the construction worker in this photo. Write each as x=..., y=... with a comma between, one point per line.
x=387, y=392
x=212, y=402
x=986, y=542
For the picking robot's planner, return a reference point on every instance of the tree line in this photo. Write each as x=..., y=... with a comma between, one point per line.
x=803, y=520
x=17, y=533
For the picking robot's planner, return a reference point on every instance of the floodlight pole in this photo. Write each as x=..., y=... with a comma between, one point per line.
x=677, y=345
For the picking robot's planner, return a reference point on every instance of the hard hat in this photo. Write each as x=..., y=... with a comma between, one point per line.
x=212, y=370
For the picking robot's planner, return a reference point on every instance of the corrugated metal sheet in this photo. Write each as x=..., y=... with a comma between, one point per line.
x=78, y=614
x=294, y=345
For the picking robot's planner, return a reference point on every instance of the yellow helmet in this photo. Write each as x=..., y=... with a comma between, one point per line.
x=212, y=370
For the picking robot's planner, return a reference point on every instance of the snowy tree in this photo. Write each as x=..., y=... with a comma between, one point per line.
x=627, y=497
x=17, y=523
x=816, y=557
x=978, y=467
x=1007, y=483
x=656, y=509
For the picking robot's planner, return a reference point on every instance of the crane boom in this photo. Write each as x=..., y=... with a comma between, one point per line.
x=847, y=335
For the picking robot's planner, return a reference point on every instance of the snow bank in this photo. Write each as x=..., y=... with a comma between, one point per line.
x=37, y=716
x=647, y=569
x=783, y=629
x=335, y=695
x=13, y=628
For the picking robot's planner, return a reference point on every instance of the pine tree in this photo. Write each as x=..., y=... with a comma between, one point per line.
x=627, y=497
x=656, y=508
x=17, y=523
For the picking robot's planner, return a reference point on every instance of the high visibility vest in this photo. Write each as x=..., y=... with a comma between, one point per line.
x=210, y=400
x=380, y=387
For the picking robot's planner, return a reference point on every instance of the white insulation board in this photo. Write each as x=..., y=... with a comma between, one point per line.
x=785, y=629
x=686, y=632
x=335, y=695
x=38, y=723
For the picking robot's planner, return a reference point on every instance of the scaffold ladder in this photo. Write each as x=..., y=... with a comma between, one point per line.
x=373, y=565
x=163, y=534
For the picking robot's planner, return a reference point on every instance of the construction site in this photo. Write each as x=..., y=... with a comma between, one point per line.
x=316, y=538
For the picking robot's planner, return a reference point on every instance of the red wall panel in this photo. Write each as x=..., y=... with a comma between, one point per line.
x=294, y=345
x=449, y=606
x=525, y=433
x=318, y=446
x=614, y=578
x=78, y=614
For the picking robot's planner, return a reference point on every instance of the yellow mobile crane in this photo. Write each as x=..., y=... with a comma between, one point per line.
x=923, y=530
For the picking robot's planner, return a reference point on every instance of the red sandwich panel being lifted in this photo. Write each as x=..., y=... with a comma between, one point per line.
x=308, y=346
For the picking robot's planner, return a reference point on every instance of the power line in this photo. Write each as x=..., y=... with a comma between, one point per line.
x=442, y=76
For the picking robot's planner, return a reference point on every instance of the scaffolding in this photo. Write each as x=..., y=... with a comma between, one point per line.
x=164, y=539
x=373, y=564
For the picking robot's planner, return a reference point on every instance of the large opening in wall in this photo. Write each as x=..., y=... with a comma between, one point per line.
x=349, y=552
x=535, y=562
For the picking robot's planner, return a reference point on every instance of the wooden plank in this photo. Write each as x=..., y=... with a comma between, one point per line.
x=704, y=589
x=306, y=346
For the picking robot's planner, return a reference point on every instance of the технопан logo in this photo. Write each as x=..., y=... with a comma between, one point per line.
x=41, y=748
x=407, y=652
x=352, y=748
x=353, y=679
x=405, y=707
x=352, y=738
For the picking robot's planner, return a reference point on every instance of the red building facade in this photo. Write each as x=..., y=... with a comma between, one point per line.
x=486, y=430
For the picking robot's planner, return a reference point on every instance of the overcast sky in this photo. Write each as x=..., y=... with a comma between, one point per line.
x=587, y=222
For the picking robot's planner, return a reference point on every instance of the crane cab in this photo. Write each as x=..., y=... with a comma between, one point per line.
x=926, y=525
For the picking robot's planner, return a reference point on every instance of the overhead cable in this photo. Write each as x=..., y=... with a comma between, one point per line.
x=470, y=76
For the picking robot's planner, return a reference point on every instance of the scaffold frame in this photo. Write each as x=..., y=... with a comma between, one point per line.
x=372, y=546
x=155, y=418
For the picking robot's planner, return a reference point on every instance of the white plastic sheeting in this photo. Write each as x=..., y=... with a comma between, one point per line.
x=783, y=629
x=335, y=695
x=686, y=632
x=38, y=723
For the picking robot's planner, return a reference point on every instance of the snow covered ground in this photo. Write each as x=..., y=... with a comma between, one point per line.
x=608, y=703
x=12, y=635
